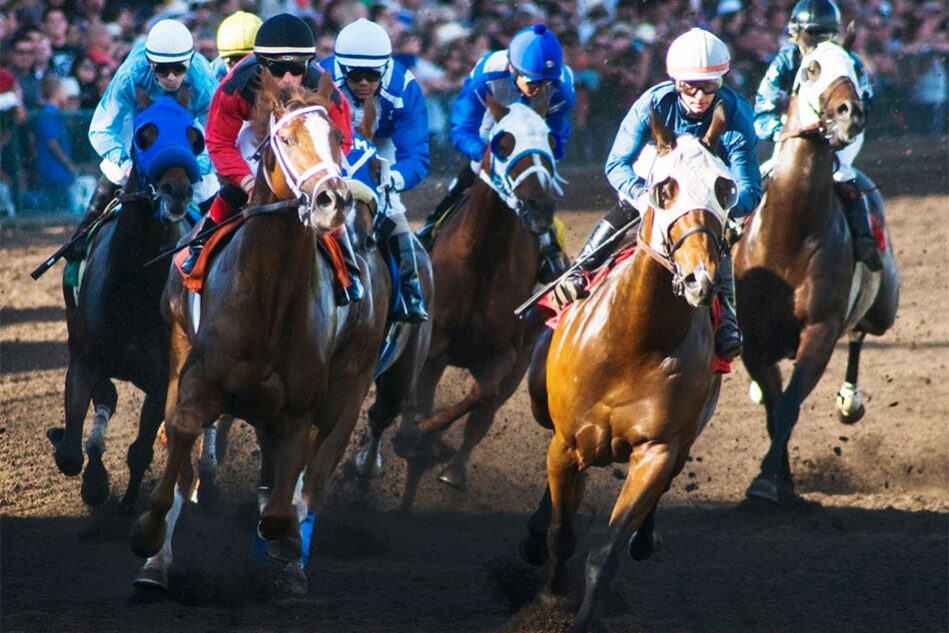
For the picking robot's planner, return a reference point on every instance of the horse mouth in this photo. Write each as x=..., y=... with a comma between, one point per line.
x=173, y=210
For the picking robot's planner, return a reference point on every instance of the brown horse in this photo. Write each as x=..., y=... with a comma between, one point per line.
x=272, y=347
x=486, y=261
x=629, y=374
x=798, y=286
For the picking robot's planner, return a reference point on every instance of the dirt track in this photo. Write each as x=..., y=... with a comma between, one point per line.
x=865, y=550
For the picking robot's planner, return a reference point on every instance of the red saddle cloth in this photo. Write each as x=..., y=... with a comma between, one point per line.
x=719, y=365
x=195, y=280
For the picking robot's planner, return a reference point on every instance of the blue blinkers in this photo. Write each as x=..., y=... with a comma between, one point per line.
x=172, y=147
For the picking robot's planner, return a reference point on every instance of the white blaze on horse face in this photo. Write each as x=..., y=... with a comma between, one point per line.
x=531, y=137
x=834, y=62
x=316, y=123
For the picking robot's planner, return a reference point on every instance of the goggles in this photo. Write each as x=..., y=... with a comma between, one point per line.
x=281, y=68
x=539, y=84
x=163, y=70
x=692, y=88
x=356, y=75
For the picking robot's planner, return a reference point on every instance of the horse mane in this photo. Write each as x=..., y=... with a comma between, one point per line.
x=272, y=98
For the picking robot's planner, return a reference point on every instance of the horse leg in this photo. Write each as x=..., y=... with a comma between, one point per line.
x=154, y=573
x=533, y=549
x=141, y=451
x=537, y=379
x=849, y=401
x=213, y=448
x=68, y=441
x=565, y=482
x=278, y=520
x=647, y=479
x=95, y=478
x=817, y=345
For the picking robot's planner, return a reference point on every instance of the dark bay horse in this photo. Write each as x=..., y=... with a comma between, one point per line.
x=628, y=376
x=272, y=347
x=113, y=317
x=798, y=286
x=486, y=261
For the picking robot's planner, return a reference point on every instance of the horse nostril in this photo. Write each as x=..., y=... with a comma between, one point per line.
x=166, y=188
x=324, y=199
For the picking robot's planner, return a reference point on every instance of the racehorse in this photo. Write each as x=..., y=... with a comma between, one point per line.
x=486, y=260
x=798, y=286
x=629, y=372
x=112, y=317
x=272, y=347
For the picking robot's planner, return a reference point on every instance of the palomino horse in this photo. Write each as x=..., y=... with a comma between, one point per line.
x=629, y=373
x=112, y=316
x=798, y=286
x=272, y=347
x=486, y=261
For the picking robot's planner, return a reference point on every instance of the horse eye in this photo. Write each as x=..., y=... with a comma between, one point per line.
x=286, y=140
x=726, y=192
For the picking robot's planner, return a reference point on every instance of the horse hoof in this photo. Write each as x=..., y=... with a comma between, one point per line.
x=151, y=577
x=761, y=488
x=69, y=461
x=850, y=407
x=534, y=551
x=286, y=549
x=291, y=580
x=147, y=536
x=272, y=528
x=642, y=546
x=455, y=477
x=95, y=480
x=370, y=469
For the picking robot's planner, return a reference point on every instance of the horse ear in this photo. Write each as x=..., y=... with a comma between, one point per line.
x=497, y=110
x=849, y=36
x=716, y=128
x=368, y=119
x=142, y=98
x=184, y=97
x=664, y=137
x=325, y=87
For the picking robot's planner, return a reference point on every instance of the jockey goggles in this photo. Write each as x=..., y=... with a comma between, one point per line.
x=163, y=70
x=692, y=88
x=356, y=75
x=279, y=68
x=539, y=84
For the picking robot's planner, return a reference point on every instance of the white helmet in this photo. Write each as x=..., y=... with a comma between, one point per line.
x=169, y=42
x=697, y=56
x=363, y=44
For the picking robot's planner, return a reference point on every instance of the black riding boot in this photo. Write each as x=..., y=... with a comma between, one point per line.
x=857, y=211
x=728, y=335
x=194, y=250
x=456, y=189
x=412, y=306
x=104, y=193
x=553, y=261
x=345, y=296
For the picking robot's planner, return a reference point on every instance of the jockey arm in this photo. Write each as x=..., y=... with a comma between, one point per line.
x=225, y=119
x=341, y=116
x=466, y=117
x=203, y=85
x=739, y=142
x=410, y=138
x=110, y=132
x=772, y=96
x=558, y=116
x=632, y=136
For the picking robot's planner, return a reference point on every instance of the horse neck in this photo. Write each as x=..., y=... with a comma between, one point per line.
x=489, y=224
x=799, y=200
x=278, y=246
x=137, y=234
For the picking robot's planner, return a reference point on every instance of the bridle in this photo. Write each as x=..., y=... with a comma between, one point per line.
x=294, y=177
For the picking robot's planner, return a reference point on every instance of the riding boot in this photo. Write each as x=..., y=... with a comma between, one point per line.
x=553, y=261
x=345, y=296
x=456, y=190
x=728, y=335
x=412, y=306
x=104, y=193
x=857, y=211
x=194, y=250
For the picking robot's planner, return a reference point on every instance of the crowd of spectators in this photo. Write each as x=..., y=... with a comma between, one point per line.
x=59, y=55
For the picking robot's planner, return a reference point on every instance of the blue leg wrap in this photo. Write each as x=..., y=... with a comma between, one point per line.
x=306, y=534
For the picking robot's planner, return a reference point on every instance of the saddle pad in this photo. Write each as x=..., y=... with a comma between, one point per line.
x=718, y=364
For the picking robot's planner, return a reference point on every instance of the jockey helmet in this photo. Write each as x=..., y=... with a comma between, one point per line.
x=697, y=55
x=363, y=44
x=535, y=53
x=816, y=17
x=235, y=35
x=169, y=42
x=285, y=37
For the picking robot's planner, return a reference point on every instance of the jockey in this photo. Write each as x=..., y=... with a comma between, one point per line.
x=235, y=41
x=530, y=71
x=813, y=22
x=283, y=47
x=697, y=62
x=363, y=69
x=164, y=66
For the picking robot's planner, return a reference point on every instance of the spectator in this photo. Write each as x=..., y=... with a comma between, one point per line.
x=103, y=79
x=99, y=45
x=56, y=27
x=86, y=72
x=12, y=118
x=54, y=148
x=21, y=61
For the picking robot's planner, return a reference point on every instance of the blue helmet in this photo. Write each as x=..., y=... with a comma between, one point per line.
x=535, y=53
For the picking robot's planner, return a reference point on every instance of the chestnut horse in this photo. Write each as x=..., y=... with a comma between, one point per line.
x=272, y=347
x=112, y=310
x=798, y=286
x=486, y=261
x=628, y=375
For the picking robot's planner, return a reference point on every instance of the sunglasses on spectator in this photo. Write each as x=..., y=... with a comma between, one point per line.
x=163, y=70
x=279, y=69
x=692, y=88
x=356, y=75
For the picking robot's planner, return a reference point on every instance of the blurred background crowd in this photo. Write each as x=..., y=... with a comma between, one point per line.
x=58, y=56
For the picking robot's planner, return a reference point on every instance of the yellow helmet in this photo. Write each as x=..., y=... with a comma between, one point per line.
x=235, y=35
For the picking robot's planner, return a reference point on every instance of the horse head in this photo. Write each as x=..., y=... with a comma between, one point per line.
x=689, y=193
x=165, y=145
x=520, y=163
x=302, y=154
x=827, y=96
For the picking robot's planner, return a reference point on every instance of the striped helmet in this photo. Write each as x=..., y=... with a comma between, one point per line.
x=697, y=55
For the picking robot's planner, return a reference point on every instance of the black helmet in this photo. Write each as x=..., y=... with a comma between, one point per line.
x=285, y=36
x=817, y=17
